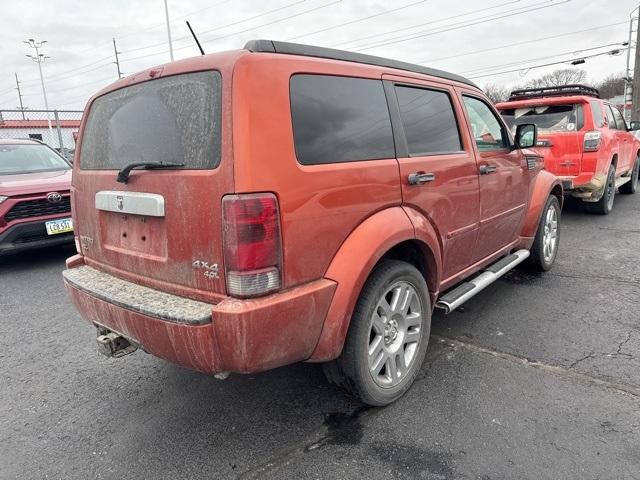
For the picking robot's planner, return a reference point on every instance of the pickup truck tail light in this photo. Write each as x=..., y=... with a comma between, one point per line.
x=592, y=141
x=252, y=244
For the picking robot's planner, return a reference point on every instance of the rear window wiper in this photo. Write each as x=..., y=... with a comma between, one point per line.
x=123, y=174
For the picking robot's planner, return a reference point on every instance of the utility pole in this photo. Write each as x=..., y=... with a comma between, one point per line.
x=166, y=14
x=635, y=102
x=117, y=62
x=20, y=96
x=39, y=58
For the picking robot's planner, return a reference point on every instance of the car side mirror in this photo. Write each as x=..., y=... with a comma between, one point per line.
x=634, y=126
x=526, y=135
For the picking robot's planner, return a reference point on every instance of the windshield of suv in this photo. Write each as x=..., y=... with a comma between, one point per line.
x=16, y=159
x=548, y=118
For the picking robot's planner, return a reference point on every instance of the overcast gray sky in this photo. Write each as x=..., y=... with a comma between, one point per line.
x=469, y=37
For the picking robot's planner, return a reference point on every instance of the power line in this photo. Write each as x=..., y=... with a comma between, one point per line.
x=379, y=14
x=431, y=22
x=526, y=69
x=304, y=12
x=521, y=62
x=63, y=74
x=283, y=7
x=481, y=20
x=474, y=52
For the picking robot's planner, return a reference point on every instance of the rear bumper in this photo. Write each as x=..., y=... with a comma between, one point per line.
x=28, y=235
x=585, y=185
x=234, y=335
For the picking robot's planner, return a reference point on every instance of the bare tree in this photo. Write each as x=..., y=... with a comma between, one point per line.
x=611, y=86
x=496, y=93
x=557, y=78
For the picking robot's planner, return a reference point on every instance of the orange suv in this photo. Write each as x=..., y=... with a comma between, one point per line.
x=244, y=210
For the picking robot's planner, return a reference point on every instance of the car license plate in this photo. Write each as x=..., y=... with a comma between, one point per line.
x=63, y=225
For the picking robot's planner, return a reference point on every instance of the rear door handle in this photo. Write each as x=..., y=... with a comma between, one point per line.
x=420, y=178
x=487, y=169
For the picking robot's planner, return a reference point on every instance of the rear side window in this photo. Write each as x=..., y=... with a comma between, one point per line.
x=598, y=116
x=339, y=119
x=548, y=118
x=620, y=123
x=429, y=122
x=172, y=119
x=486, y=128
x=610, y=118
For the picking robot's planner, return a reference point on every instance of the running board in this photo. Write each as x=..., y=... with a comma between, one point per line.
x=463, y=292
x=621, y=181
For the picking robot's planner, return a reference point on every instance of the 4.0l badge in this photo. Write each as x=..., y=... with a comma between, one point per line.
x=210, y=269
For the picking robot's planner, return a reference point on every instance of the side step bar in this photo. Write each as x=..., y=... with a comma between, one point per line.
x=463, y=292
x=621, y=181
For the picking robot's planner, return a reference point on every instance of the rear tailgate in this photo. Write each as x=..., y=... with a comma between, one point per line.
x=163, y=228
x=562, y=152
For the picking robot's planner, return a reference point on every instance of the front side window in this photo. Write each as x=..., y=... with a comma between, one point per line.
x=17, y=158
x=548, y=118
x=429, y=122
x=339, y=119
x=486, y=128
x=172, y=119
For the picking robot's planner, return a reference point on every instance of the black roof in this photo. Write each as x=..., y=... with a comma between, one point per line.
x=274, y=46
x=556, y=91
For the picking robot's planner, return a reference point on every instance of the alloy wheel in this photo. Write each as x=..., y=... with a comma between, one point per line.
x=394, y=334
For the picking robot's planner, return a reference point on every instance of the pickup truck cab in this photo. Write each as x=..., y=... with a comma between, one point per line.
x=585, y=141
x=245, y=210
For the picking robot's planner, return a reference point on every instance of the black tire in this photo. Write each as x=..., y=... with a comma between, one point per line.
x=351, y=370
x=631, y=186
x=538, y=260
x=605, y=204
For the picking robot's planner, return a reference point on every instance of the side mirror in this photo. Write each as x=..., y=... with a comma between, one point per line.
x=526, y=135
x=634, y=126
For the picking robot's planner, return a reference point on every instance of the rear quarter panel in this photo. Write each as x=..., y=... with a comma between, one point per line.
x=320, y=204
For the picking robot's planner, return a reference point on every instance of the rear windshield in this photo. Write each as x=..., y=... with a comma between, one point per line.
x=548, y=118
x=16, y=159
x=173, y=119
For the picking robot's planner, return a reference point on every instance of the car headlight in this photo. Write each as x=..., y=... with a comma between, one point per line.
x=2, y=198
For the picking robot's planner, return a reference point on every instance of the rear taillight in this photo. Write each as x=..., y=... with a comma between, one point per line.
x=592, y=141
x=252, y=244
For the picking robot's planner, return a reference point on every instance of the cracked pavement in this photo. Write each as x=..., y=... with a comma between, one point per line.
x=538, y=377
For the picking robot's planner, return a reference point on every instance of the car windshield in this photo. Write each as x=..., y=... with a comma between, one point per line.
x=548, y=118
x=16, y=159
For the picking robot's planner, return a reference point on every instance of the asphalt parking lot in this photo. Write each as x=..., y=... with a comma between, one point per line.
x=537, y=377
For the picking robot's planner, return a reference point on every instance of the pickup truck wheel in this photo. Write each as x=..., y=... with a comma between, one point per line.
x=631, y=186
x=545, y=245
x=605, y=204
x=388, y=336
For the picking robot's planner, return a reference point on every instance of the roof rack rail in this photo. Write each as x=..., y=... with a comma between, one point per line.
x=274, y=46
x=556, y=91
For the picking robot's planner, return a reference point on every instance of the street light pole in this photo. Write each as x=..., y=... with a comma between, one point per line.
x=39, y=58
x=166, y=14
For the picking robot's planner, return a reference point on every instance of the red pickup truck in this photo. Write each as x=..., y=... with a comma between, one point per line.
x=585, y=141
x=280, y=203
